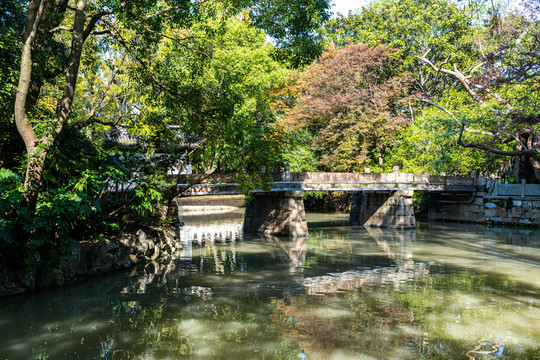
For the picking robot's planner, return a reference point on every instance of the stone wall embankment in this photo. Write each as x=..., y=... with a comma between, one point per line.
x=84, y=259
x=492, y=203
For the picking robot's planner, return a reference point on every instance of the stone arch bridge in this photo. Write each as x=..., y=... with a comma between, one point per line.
x=383, y=199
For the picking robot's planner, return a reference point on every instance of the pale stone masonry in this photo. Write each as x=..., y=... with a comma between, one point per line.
x=513, y=204
x=384, y=209
x=278, y=213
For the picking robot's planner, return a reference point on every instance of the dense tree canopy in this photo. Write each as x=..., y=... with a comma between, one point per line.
x=298, y=43
x=75, y=68
x=56, y=38
x=474, y=61
x=411, y=27
x=353, y=106
x=499, y=98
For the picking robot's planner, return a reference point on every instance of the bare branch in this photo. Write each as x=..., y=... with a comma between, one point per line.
x=468, y=87
x=509, y=107
x=481, y=48
x=495, y=135
x=476, y=67
x=61, y=28
x=443, y=109
x=109, y=85
x=527, y=152
x=458, y=75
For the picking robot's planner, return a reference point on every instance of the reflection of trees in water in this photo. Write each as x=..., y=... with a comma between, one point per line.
x=344, y=325
x=323, y=246
x=204, y=329
x=169, y=310
x=415, y=322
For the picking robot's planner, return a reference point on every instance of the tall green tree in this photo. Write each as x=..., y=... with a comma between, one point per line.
x=300, y=42
x=214, y=88
x=55, y=36
x=500, y=101
x=473, y=61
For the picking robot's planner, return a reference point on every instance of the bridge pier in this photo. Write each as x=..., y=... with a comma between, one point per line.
x=383, y=209
x=276, y=213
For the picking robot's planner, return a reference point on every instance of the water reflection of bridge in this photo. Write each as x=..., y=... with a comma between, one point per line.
x=355, y=279
x=216, y=232
x=396, y=245
x=204, y=233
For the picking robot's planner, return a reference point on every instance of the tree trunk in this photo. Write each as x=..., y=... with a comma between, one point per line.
x=34, y=175
x=37, y=147
x=35, y=165
x=528, y=167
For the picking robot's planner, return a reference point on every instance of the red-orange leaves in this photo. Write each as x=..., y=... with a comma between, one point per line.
x=353, y=103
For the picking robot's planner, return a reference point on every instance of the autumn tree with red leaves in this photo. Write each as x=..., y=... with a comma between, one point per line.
x=352, y=104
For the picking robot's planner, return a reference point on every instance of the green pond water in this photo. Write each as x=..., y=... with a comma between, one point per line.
x=442, y=291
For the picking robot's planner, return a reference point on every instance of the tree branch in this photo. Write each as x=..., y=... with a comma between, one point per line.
x=509, y=107
x=122, y=41
x=177, y=40
x=457, y=74
x=495, y=135
x=65, y=107
x=93, y=120
x=92, y=23
x=109, y=85
x=61, y=28
x=527, y=152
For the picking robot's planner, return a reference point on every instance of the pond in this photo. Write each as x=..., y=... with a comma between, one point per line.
x=442, y=291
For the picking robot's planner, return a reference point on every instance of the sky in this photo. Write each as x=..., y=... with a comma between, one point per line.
x=343, y=6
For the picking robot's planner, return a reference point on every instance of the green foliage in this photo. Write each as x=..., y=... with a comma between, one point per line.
x=412, y=27
x=352, y=106
x=298, y=153
x=10, y=203
x=219, y=96
x=429, y=146
x=212, y=70
x=11, y=28
x=78, y=199
x=294, y=28
x=145, y=197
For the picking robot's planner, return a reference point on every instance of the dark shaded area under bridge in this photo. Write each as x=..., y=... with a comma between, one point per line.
x=383, y=199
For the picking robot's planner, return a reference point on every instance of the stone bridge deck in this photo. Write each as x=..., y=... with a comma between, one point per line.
x=350, y=182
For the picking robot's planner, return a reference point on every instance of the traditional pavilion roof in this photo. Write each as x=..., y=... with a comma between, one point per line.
x=122, y=137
